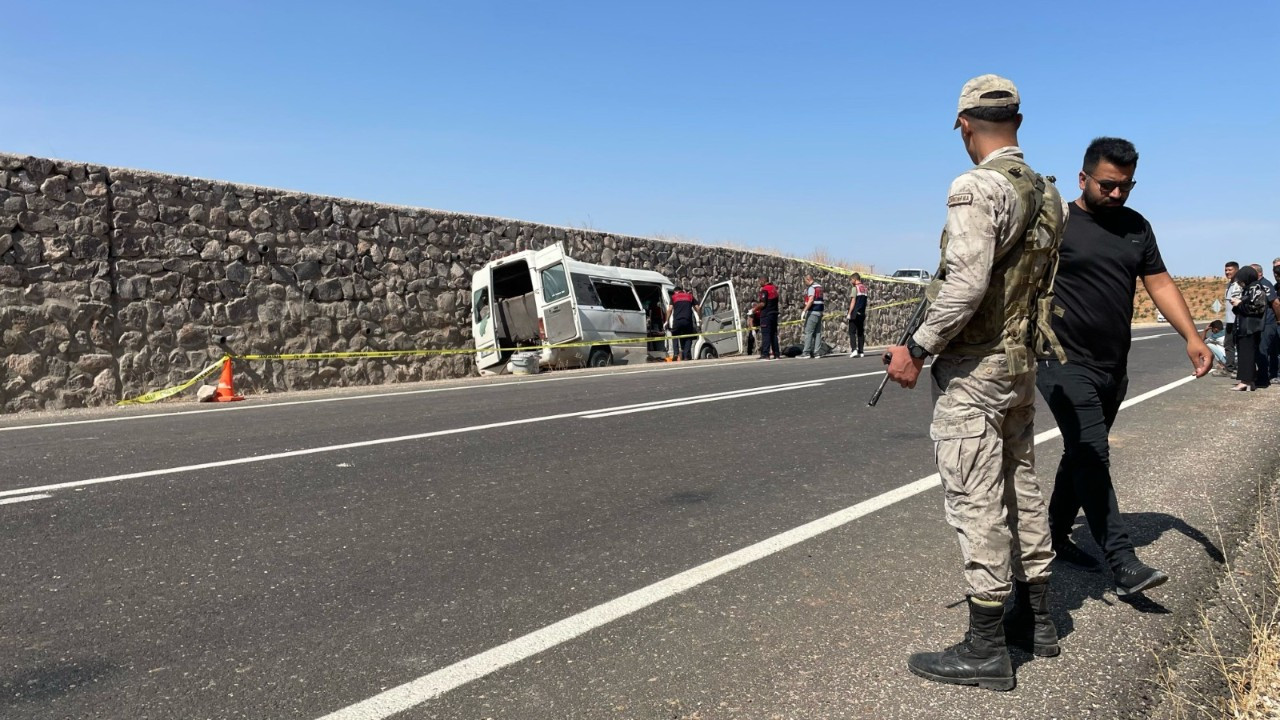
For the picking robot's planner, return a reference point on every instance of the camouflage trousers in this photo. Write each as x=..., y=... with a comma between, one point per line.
x=984, y=444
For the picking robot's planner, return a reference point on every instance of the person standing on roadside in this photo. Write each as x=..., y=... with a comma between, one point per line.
x=767, y=304
x=1273, y=360
x=1106, y=249
x=1229, y=314
x=812, y=314
x=857, y=317
x=1267, y=349
x=683, y=323
x=753, y=328
x=1250, y=309
x=999, y=248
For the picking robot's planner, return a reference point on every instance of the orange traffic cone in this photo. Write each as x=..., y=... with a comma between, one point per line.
x=226, y=391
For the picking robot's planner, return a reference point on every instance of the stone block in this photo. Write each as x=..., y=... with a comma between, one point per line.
x=133, y=288
x=328, y=290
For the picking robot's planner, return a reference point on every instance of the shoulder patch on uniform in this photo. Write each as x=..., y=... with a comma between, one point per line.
x=960, y=199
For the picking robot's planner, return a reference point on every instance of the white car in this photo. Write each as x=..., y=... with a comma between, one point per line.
x=915, y=275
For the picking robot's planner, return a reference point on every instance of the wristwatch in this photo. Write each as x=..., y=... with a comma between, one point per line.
x=917, y=351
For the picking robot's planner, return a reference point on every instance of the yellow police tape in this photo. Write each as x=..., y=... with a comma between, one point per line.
x=864, y=275
x=171, y=391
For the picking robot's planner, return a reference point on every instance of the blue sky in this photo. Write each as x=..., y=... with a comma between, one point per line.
x=793, y=126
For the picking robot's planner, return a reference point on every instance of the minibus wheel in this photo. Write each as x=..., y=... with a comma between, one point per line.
x=600, y=357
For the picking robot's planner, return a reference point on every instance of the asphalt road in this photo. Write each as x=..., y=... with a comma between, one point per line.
x=705, y=540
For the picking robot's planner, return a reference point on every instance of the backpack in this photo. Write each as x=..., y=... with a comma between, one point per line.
x=1253, y=301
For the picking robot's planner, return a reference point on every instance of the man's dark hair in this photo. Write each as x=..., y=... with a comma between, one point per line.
x=1216, y=325
x=856, y=276
x=994, y=114
x=1231, y=263
x=1117, y=151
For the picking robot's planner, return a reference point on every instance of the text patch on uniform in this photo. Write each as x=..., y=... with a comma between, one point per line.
x=960, y=199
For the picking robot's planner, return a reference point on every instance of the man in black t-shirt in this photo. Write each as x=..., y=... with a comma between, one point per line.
x=1107, y=247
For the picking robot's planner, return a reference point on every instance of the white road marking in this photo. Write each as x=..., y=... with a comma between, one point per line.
x=371, y=396
x=1148, y=337
x=666, y=405
x=728, y=395
x=24, y=498
x=345, y=398
x=433, y=685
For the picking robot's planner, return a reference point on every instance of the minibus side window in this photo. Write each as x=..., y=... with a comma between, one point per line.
x=616, y=295
x=585, y=291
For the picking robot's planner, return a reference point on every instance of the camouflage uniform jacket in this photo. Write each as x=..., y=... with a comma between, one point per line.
x=983, y=221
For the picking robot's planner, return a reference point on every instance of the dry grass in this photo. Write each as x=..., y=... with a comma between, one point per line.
x=1251, y=680
x=1199, y=292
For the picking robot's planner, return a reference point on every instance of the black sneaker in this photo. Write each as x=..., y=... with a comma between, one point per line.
x=1137, y=577
x=1071, y=554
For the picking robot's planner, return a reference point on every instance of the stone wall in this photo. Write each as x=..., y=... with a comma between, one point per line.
x=114, y=282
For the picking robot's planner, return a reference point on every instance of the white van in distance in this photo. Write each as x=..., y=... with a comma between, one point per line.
x=915, y=275
x=544, y=298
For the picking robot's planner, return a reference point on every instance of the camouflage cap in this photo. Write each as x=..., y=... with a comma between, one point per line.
x=973, y=92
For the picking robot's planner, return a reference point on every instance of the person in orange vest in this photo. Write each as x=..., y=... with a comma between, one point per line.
x=681, y=317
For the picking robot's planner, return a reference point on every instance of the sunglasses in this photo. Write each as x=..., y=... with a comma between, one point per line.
x=1109, y=186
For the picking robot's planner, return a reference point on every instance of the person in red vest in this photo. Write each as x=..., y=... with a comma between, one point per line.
x=767, y=304
x=681, y=316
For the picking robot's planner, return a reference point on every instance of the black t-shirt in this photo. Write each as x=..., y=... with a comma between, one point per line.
x=1102, y=257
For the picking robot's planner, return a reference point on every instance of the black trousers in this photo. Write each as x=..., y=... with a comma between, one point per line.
x=1270, y=350
x=769, y=336
x=684, y=345
x=1247, y=358
x=1085, y=401
x=1229, y=345
x=857, y=332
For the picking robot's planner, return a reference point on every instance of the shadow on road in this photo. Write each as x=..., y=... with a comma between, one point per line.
x=1073, y=586
x=51, y=681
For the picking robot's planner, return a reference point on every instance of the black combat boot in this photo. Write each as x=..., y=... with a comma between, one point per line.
x=980, y=659
x=1029, y=625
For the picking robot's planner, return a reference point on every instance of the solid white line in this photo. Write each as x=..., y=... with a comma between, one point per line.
x=1163, y=388
x=345, y=398
x=734, y=396
x=24, y=498
x=729, y=395
x=1148, y=337
x=500, y=383
x=435, y=684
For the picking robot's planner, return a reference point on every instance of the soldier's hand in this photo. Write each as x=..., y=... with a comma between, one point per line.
x=903, y=369
x=1201, y=358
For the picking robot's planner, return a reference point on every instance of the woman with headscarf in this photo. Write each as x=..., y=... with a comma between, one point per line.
x=1249, y=310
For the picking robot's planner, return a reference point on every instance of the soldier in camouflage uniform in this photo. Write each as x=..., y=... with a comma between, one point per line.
x=987, y=323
